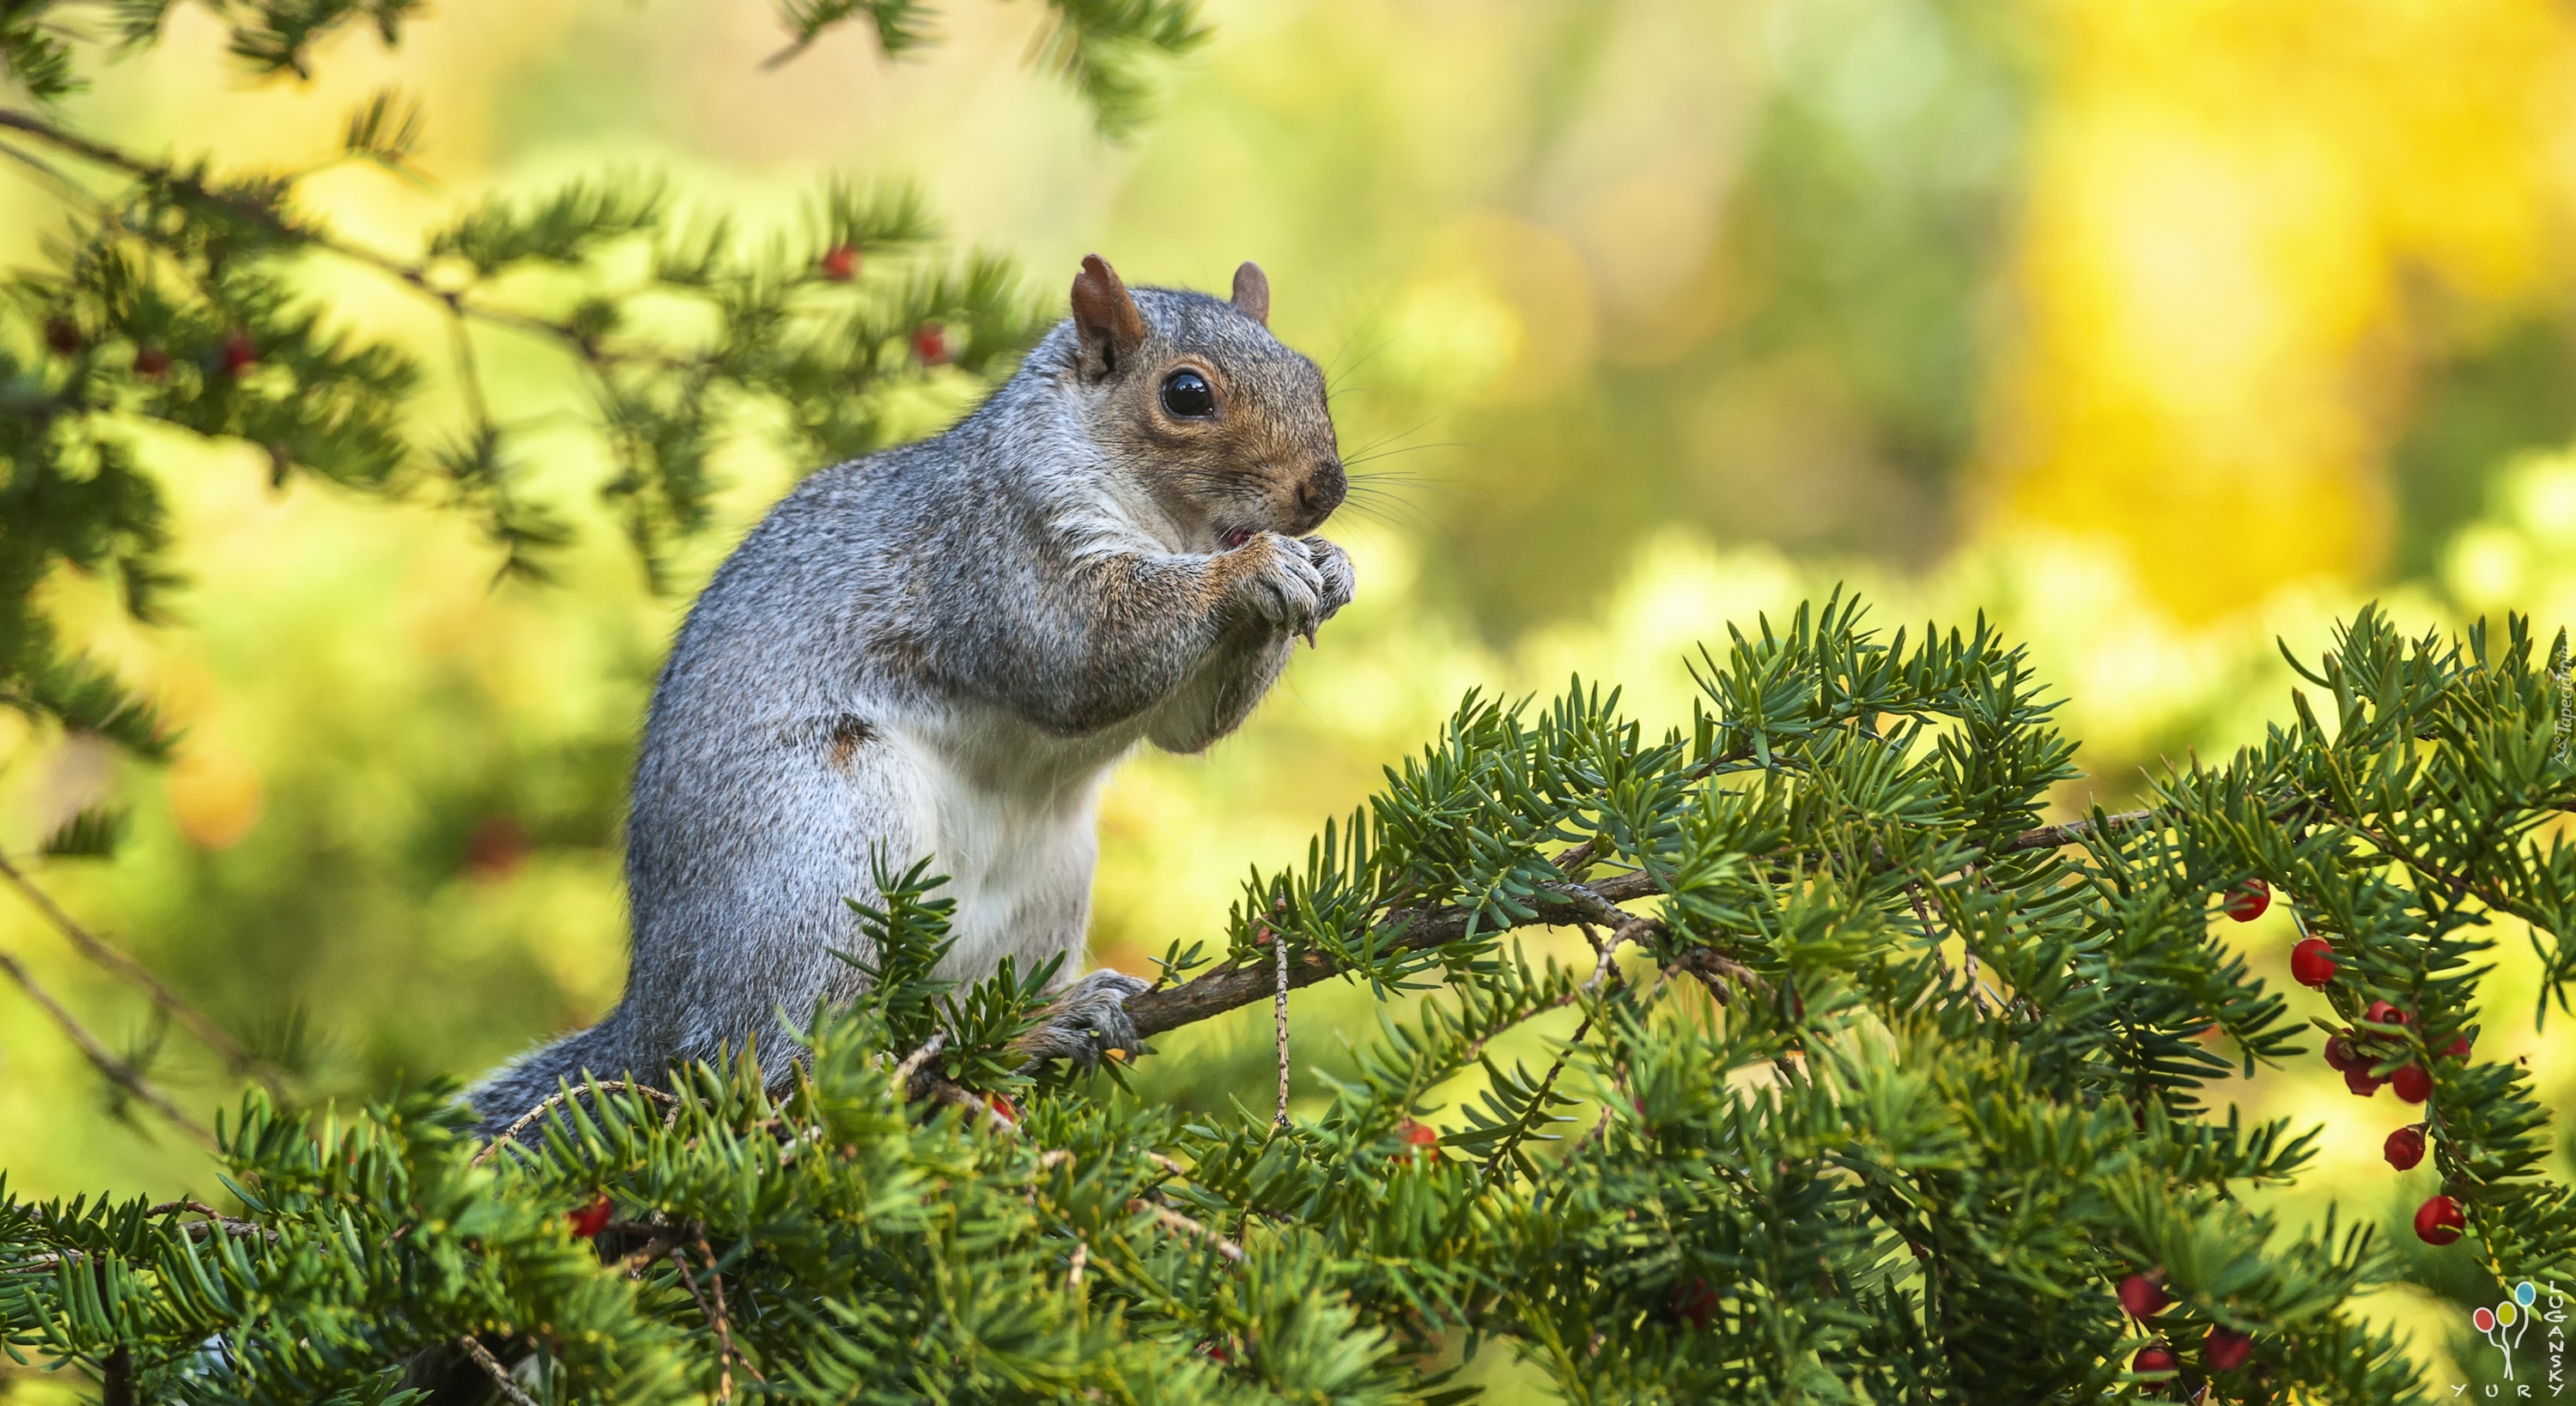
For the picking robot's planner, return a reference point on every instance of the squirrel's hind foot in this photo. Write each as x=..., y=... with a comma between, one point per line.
x=1087, y=1020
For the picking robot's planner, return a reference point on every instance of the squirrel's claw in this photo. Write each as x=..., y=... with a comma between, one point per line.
x=1089, y=1019
x=1339, y=581
x=1288, y=590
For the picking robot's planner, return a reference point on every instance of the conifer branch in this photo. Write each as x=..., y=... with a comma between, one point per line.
x=1279, y=1018
x=2074, y=831
x=276, y=222
x=2461, y=885
x=714, y=1312
x=116, y=1381
x=1227, y=988
x=235, y=1055
x=1603, y=968
x=118, y=1071
x=912, y=1063
x=492, y=1368
x=1715, y=1246
x=562, y=1096
x=656, y=1245
x=1189, y=1227
x=156, y=175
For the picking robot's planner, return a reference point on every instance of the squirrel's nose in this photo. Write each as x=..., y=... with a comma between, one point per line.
x=1323, y=489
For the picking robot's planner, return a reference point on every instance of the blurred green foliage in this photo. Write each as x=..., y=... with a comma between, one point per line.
x=1829, y=396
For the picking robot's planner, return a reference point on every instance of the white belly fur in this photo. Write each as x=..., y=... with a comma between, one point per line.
x=1008, y=814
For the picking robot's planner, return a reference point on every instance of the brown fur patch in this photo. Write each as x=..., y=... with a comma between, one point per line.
x=848, y=735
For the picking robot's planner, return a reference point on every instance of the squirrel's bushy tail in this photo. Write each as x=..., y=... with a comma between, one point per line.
x=511, y=1091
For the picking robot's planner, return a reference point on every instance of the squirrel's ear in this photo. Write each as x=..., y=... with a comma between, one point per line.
x=1252, y=292
x=1104, y=317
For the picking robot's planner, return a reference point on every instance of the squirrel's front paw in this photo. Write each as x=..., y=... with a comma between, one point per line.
x=1334, y=566
x=1089, y=1019
x=1285, y=590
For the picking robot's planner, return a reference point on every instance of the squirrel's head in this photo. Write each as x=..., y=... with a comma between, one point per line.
x=1226, y=427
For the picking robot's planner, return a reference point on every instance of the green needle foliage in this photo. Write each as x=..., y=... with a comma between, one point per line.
x=178, y=292
x=1879, y=1088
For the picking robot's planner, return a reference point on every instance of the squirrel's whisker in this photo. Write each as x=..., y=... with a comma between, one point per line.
x=1374, y=455
x=1334, y=378
x=1397, y=437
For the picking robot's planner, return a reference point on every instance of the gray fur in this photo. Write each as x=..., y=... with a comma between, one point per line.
x=941, y=650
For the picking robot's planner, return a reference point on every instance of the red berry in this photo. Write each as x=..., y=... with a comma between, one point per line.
x=840, y=263
x=2249, y=900
x=2359, y=1081
x=2313, y=962
x=1694, y=1302
x=930, y=344
x=1002, y=1107
x=151, y=361
x=2341, y=1057
x=2405, y=1148
x=590, y=1219
x=2225, y=1349
x=2459, y=1046
x=2382, y=1013
x=240, y=354
x=2412, y=1083
x=2142, y=1297
x=2438, y=1221
x=2158, y=1358
x=1417, y=1134
x=63, y=335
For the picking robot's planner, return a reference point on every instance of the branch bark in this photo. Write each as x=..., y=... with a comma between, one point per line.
x=2052, y=836
x=1228, y=987
x=511, y=1133
x=500, y=1375
x=1417, y=930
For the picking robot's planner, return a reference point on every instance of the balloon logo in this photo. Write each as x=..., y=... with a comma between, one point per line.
x=2497, y=1324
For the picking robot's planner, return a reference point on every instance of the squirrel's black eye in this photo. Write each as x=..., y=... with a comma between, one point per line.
x=1186, y=394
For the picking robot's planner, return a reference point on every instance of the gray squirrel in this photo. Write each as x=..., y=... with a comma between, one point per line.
x=940, y=651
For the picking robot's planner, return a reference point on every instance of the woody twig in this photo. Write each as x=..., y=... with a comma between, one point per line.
x=234, y=1054
x=118, y=1071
